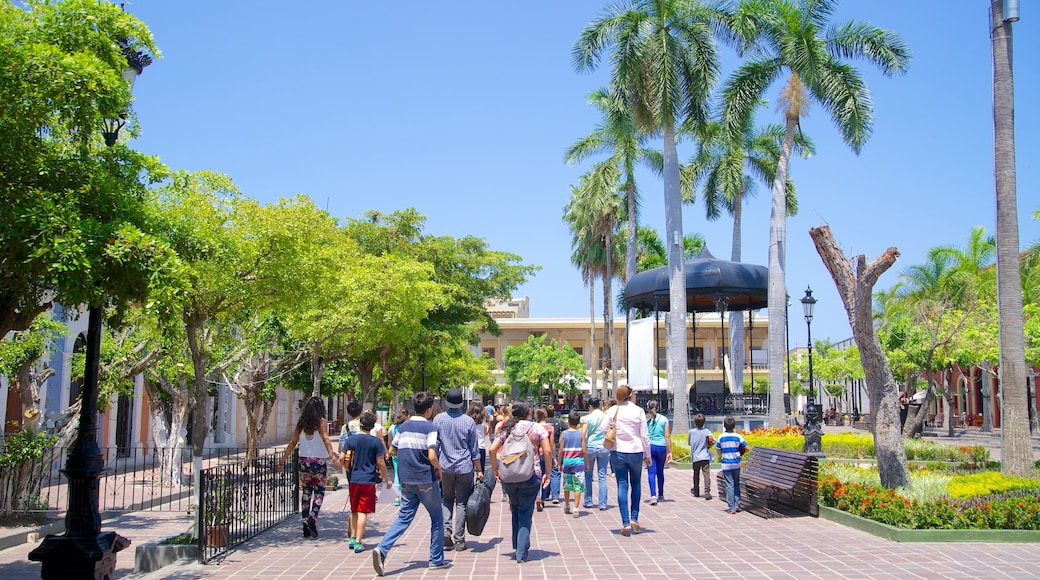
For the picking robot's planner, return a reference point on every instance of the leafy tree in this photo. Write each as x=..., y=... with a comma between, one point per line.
x=538, y=365
x=663, y=64
x=794, y=37
x=75, y=226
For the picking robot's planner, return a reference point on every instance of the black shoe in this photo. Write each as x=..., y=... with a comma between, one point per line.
x=377, y=561
x=312, y=525
x=306, y=529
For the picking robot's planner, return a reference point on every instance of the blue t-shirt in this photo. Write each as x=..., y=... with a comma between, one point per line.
x=367, y=451
x=415, y=437
x=731, y=446
x=656, y=428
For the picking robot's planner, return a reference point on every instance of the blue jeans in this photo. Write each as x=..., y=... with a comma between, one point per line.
x=429, y=495
x=732, y=488
x=628, y=469
x=597, y=457
x=658, y=455
x=554, y=482
x=521, y=507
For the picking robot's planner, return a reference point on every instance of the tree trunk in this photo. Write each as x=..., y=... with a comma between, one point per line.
x=608, y=310
x=28, y=382
x=777, y=294
x=1016, y=452
x=593, y=354
x=856, y=291
x=630, y=264
x=607, y=356
x=676, y=283
x=200, y=399
x=169, y=416
x=317, y=370
x=736, y=319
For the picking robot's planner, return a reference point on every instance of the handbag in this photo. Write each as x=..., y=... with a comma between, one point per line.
x=610, y=437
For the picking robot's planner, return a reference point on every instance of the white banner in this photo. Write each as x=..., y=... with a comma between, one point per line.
x=641, y=354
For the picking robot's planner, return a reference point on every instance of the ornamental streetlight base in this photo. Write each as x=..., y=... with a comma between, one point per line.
x=79, y=558
x=813, y=431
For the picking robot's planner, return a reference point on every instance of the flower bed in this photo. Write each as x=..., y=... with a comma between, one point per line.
x=984, y=500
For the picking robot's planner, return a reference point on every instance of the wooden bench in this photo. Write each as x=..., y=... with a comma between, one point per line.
x=776, y=483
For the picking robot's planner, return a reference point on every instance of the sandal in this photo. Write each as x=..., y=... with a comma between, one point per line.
x=539, y=505
x=626, y=531
x=636, y=528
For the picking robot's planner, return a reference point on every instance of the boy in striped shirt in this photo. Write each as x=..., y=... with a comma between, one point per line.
x=731, y=446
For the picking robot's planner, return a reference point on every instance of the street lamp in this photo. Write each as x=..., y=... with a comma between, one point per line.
x=813, y=430
x=83, y=551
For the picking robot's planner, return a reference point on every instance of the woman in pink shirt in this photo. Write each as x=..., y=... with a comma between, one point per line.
x=631, y=451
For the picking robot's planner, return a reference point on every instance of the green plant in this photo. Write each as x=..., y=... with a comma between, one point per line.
x=332, y=481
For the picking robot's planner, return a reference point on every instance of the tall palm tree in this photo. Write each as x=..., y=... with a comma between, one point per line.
x=593, y=213
x=1016, y=452
x=794, y=37
x=664, y=62
x=618, y=137
x=726, y=166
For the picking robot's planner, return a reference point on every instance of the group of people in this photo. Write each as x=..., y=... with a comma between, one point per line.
x=439, y=458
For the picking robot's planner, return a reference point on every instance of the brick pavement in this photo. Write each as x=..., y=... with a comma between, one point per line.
x=685, y=537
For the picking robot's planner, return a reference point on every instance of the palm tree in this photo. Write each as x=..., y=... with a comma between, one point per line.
x=618, y=136
x=1016, y=452
x=791, y=36
x=664, y=63
x=725, y=166
x=592, y=213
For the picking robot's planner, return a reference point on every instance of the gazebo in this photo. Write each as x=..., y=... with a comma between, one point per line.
x=712, y=285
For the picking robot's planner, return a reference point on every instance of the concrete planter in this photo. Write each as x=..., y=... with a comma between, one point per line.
x=904, y=535
x=149, y=557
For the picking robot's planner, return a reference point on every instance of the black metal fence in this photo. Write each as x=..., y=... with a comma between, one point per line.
x=242, y=499
x=134, y=479
x=720, y=404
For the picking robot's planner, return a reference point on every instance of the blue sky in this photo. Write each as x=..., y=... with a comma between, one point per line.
x=463, y=110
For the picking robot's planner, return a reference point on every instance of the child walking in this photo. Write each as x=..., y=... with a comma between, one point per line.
x=365, y=454
x=571, y=463
x=701, y=442
x=731, y=447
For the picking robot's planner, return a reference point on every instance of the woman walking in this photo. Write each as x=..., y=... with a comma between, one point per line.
x=312, y=434
x=479, y=416
x=522, y=495
x=660, y=450
x=631, y=450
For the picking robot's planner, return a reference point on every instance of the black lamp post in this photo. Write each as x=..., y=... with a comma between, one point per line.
x=83, y=551
x=813, y=430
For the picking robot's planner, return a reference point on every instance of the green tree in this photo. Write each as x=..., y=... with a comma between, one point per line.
x=663, y=64
x=537, y=366
x=592, y=214
x=794, y=37
x=75, y=226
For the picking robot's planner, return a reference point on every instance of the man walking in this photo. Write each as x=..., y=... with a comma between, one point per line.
x=596, y=455
x=415, y=446
x=458, y=452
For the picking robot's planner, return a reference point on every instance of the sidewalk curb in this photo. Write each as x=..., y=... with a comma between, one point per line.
x=31, y=535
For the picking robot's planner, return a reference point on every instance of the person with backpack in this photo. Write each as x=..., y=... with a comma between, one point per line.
x=514, y=461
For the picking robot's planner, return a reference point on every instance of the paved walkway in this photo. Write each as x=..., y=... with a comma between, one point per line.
x=685, y=537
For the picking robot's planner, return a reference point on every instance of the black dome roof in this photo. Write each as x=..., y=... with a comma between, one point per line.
x=707, y=278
